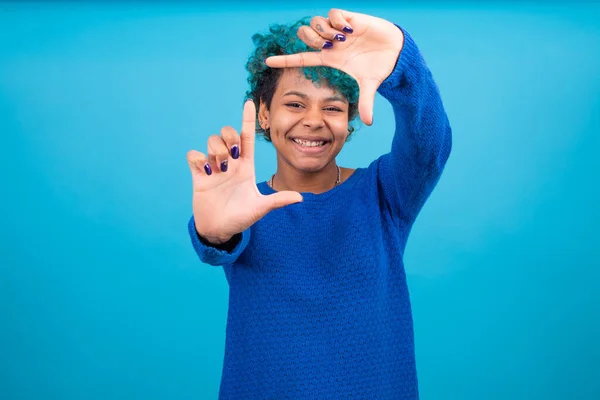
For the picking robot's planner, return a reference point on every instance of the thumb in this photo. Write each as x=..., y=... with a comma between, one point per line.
x=278, y=200
x=368, y=90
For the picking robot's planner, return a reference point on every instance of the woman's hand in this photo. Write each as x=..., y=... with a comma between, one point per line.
x=362, y=46
x=225, y=199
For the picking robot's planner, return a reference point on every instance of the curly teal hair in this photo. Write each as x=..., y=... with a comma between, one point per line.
x=263, y=80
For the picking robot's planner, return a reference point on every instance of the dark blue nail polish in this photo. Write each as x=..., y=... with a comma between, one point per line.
x=207, y=169
x=224, y=166
x=339, y=37
x=347, y=29
x=235, y=151
x=328, y=44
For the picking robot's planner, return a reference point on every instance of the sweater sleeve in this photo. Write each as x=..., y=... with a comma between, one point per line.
x=423, y=137
x=213, y=255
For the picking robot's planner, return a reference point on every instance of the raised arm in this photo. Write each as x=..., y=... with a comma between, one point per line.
x=423, y=137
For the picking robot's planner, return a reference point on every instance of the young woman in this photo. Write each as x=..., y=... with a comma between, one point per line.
x=319, y=305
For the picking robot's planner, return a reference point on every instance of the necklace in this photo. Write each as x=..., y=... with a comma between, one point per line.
x=337, y=182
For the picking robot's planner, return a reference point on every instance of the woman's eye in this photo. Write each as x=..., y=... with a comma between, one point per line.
x=298, y=105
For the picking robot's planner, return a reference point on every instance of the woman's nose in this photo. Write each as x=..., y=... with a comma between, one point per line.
x=313, y=118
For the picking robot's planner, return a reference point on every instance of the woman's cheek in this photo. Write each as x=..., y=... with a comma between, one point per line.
x=285, y=123
x=340, y=129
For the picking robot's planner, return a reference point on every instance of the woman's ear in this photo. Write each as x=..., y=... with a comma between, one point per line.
x=263, y=116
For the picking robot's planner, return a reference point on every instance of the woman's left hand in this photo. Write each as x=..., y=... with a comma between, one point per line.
x=368, y=51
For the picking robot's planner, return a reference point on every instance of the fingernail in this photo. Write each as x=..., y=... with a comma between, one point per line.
x=339, y=37
x=207, y=169
x=347, y=29
x=224, y=166
x=328, y=44
x=235, y=151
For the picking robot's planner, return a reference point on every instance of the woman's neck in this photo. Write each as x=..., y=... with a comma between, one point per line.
x=289, y=178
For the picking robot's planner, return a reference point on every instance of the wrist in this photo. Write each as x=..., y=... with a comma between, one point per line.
x=221, y=243
x=214, y=240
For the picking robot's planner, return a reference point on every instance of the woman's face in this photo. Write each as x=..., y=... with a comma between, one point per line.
x=308, y=124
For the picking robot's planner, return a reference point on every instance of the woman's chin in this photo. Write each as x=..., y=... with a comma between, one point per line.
x=310, y=166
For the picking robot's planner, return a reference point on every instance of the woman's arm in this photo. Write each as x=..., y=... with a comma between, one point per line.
x=423, y=138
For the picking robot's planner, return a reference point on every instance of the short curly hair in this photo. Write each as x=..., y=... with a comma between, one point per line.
x=263, y=80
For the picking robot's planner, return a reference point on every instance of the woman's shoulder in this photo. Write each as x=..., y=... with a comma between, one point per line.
x=346, y=173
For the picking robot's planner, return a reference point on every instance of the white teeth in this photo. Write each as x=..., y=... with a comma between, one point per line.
x=308, y=143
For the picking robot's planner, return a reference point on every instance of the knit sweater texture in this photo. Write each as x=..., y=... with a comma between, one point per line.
x=319, y=306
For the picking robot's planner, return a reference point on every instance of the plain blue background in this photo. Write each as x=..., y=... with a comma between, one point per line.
x=101, y=294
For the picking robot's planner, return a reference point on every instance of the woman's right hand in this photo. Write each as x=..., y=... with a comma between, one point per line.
x=225, y=198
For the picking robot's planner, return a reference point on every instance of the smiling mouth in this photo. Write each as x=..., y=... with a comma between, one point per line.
x=309, y=143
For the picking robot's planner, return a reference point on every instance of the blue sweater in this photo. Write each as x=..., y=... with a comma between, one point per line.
x=319, y=306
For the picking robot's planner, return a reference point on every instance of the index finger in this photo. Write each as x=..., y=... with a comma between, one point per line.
x=248, y=130
x=308, y=59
